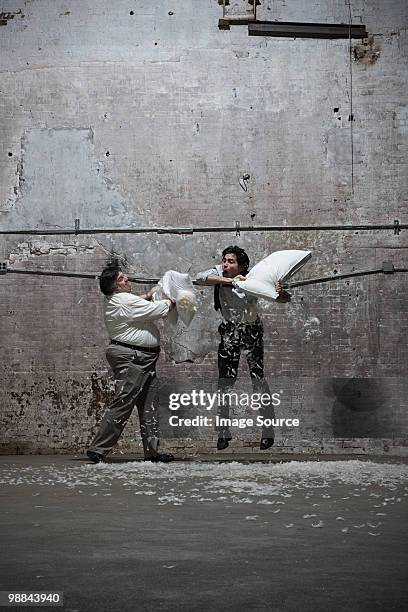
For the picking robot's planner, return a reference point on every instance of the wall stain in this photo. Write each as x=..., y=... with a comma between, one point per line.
x=355, y=411
x=367, y=52
x=5, y=17
x=102, y=394
x=22, y=398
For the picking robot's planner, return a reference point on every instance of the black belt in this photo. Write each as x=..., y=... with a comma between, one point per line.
x=147, y=349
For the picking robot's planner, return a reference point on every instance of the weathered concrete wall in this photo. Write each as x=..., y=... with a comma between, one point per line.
x=145, y=114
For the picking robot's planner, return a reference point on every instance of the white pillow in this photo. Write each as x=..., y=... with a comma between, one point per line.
x=278, y=266
x=178, y=288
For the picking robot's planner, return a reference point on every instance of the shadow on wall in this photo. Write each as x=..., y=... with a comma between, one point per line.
x=355, y=410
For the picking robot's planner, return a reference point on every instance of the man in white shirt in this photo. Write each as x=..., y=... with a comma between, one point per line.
x=132, y=355
x=241, y=329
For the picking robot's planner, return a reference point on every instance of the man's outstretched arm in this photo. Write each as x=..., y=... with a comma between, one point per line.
x=212, y=279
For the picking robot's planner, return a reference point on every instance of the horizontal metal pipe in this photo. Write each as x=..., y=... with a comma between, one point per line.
x=51, y=273
x=326, y=279
x=144, y=281
x=196, y=230
x=151, y=281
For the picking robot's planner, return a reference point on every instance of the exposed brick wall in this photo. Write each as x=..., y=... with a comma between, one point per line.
x=150, y=120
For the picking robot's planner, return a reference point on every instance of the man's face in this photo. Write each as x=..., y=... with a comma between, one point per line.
x=230, y=266
x=122, y=284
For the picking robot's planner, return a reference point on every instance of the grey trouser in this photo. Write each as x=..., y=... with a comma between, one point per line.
x=135, y=384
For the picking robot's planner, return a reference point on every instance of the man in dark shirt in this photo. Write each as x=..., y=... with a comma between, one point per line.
x=241, y=329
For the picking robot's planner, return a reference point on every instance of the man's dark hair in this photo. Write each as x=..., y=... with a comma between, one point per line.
x=242, y=257
x=109, y=277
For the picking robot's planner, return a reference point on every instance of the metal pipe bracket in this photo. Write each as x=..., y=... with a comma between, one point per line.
x=388, y=267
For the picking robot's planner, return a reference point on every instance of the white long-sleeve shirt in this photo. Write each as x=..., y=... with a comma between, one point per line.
x=129, y=319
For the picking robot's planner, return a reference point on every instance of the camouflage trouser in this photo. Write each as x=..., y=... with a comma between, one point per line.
x=249, y=338
x=135, y=385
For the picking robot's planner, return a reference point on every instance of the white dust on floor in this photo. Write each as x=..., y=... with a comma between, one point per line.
x=329, y=488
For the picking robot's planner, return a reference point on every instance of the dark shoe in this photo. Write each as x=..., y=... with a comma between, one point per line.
x=222, y=443
x=95, y=457
x=160, y=458
x=266, y=443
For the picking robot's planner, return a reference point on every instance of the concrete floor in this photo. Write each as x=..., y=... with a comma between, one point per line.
x=194, y=537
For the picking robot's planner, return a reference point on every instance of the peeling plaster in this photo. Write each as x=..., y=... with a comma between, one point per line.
x=76, y=185
x=367, y=52
x=312, y=328
x=35, y=248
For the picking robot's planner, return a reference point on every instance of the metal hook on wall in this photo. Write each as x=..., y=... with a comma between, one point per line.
x=244, y=180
